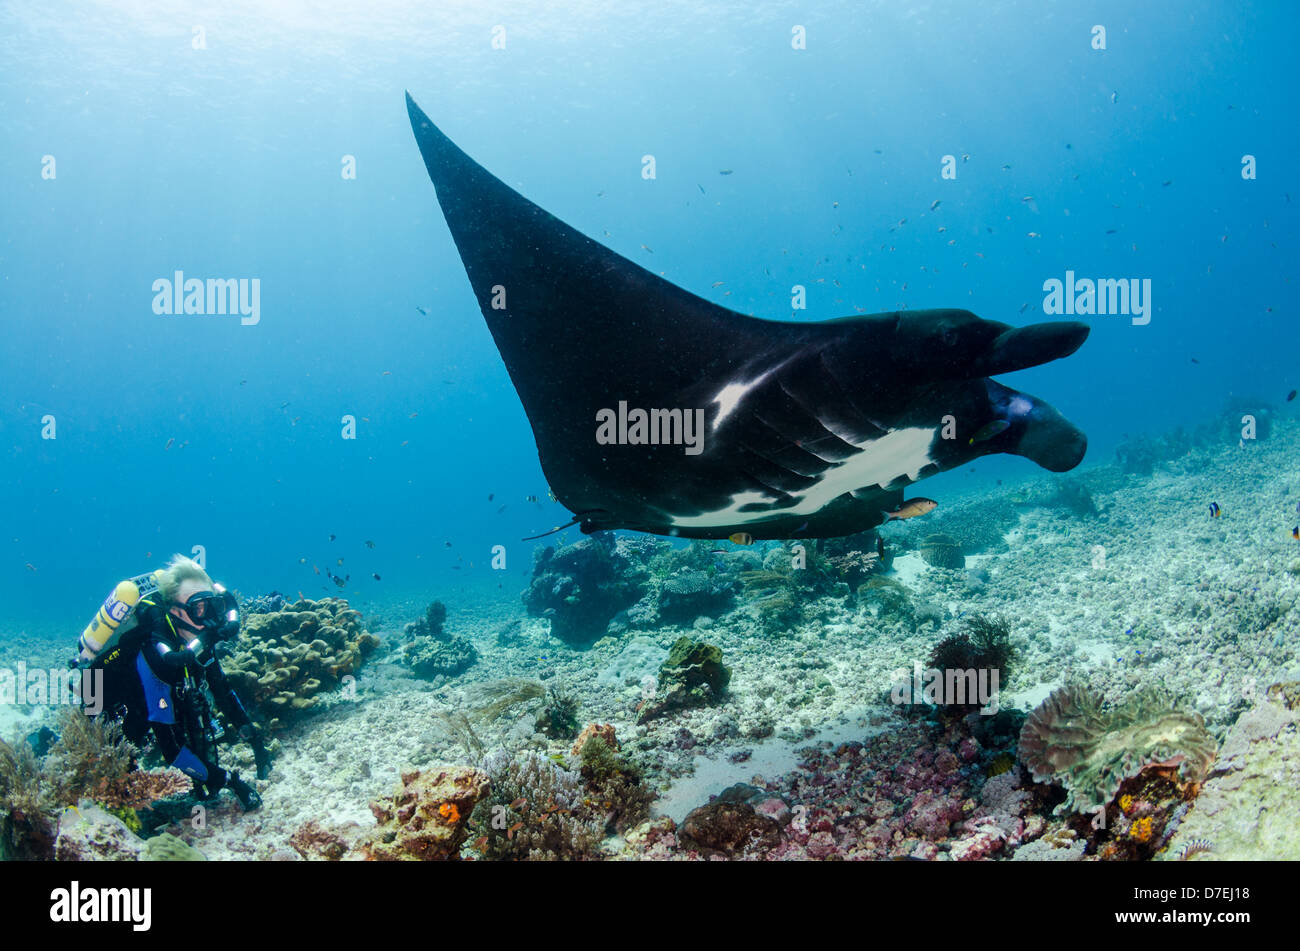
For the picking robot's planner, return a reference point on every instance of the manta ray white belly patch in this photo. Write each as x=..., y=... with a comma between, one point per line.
x=903, y=453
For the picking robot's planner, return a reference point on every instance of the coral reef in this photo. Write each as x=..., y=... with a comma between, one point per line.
x=427, y=817
x=580, y=587
x=166, y=847
x=559, y=717
x=692, y=593
x=431, y=652
x=1248, y=808
x=262, y=604
x=90, y=833
x=942, y=551
x=1070, y=740
x=739, y=821
x=284, y=660
x=985, y=644
x=1072, y=494
x=311, y=840
x=692, y=676
x=535, y=810
x=615, y=786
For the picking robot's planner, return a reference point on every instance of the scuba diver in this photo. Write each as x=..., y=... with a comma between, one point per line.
x=155, y=640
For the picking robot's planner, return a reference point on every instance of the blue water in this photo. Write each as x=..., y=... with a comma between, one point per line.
x=225, y=162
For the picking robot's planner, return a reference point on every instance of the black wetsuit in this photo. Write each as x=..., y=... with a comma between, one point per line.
x=165, y=696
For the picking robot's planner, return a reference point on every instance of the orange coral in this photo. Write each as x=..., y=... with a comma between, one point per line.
x=1141, y=829
x=1126, y=804
x=449, y=812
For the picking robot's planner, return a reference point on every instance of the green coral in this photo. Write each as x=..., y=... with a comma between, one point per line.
x=166, y=847
x=284, y=661
x=692, y=676
x=615, y=785
x=1071, y=740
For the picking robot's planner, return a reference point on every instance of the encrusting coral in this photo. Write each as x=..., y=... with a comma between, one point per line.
x=284, y=660
x=427, y=817
x=1070, y=740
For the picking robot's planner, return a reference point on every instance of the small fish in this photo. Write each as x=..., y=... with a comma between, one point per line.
x=911, y=508
x=1215, y=511
x=1034, y=234
x=1006, y=168
x=413, y=415
x=332, y=537
x=718, y=283
x=724, y=171
x=1196, y=361
x=934, y=204
x=315, y=569
x=1111, y=231
x=718, y=551
x=1114, y=97
x=370, y=544
x=1166, y=184
x=1027, y=199
x=550, y=494
x=284, y=404
x=340, y=581
x=901, y=222
x=30, y=567
x=375, y=575
x=700, y=187
x=502, y=509
x=646, y=248
x=741, y=538
x=510, y=833
x=1290, y=396
x=491, y=496
x=387, y=373
x=480, y=842
x=1023, y=306
x=521, y=801
x=965, y=157
x=148, y=554
x=1295, y=533
x=340, y=562
x=169, y=443
x=532, y=498
x=446, y=544
x=989, y=430
x=422, y=310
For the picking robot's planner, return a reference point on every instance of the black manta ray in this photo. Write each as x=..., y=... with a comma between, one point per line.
x=809, y=430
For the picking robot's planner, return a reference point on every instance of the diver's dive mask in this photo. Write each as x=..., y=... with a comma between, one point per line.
x=212, y=610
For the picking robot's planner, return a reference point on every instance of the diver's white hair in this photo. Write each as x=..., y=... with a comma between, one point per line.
x=179, y=570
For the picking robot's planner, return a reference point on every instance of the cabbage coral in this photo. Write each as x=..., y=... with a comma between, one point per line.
x=1070, y=740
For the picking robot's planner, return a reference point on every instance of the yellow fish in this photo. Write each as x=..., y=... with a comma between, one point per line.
x=741, y=538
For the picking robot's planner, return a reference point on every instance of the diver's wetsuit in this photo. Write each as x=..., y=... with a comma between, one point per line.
x=165, y=696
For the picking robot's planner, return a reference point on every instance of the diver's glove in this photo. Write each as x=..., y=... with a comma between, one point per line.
x=248, y=797
x=261, y=757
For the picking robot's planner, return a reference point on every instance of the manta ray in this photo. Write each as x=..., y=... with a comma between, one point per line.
x=657, y=411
